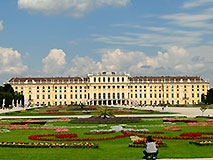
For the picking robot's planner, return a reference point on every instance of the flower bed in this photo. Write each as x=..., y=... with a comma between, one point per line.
x=48, y=145
x=141, y=142
x=203, y=143
x=28, y=122
x=179, y=120
x=100, y=120
x=41, y=137
x=67, y=112
x=94, y=133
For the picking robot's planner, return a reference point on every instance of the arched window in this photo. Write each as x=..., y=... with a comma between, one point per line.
x=122, y=79
x=99, y=79
x=113, y=79
x=94, y=79
x=108, y=79
x=118, y=79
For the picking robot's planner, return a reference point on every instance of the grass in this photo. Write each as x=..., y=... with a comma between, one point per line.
x=113, y=149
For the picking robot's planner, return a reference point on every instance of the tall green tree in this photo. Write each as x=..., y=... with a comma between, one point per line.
x=209, y=96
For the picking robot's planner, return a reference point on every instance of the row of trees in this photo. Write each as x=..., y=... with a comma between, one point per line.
x=8, y=95
x=208, y=99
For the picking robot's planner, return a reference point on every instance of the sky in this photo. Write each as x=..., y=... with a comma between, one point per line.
x=75, y=37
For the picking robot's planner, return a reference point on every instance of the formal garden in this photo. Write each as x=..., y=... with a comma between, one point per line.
x=77, y=110
x=104, y=136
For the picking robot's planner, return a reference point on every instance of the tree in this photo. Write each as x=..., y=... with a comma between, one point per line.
x=104, y=112
x=209, y=96
x=203, y=108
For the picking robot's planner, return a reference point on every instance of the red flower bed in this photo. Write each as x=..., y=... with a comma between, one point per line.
x=66, y=112
x=178, y=120
x=28, y=122
x=40, y=137
x=144, y=132
x=93, y=133
x=65, y=135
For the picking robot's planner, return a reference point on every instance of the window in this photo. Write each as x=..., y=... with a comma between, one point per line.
x=85, y=96
x=76, y=96
x=76, y=87
x=144, y=95
x=43, y=96
x=80, y=96
x=70, y=87
x=94, y=79
x=155, y=95
x=122, y=86
x=150, y=95
x=37, y=96
x=167, y=95
x=122, y=79
x=118, y=79
x=104, y=79
x=108, y=79
x=94, y=95
x=48, y=96
x=172, y=95
x=37, y=87
x=192, y=95
x=99, y=87
x=104, y=87
x=192, y=86
x=198, y=95
x=99, y=96
x=118, y=86
x=71, y=96
x=159, y=95
x=123, y=96
x=140, y=95
x=55, y=96
x=113, y=95
x=113, y=79
x=104, y=96
x=118, y=95
x=99, y=79
x=136, y=96
x=113, y=87
x=65, y=96
x=108, y=86
x=108, y=95
x=177, y=95
x=60, y=96
x=184, y=86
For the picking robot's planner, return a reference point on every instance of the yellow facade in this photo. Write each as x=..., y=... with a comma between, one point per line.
x=110, y=88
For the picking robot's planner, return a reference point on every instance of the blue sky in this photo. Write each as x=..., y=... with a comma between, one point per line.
x=76, y=37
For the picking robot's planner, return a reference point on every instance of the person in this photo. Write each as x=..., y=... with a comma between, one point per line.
x=150, y=148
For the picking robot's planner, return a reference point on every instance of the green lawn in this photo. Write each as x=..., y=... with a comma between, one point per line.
x=112, y=149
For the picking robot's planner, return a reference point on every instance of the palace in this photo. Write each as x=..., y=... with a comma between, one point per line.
x=111, y=88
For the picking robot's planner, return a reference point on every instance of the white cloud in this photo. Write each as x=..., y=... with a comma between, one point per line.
x=75, y=8
x=1, y=25
x=11, y=62
x=54, y=62
x=196, y=3
x=202, y=20
x=175, y=61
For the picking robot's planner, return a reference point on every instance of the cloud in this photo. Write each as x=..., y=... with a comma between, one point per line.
x=196, y=3
x=202, y=20
x=75, y=8
x=1, y=25
x=11, y=61
x=55, y=61
x=175, y=60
